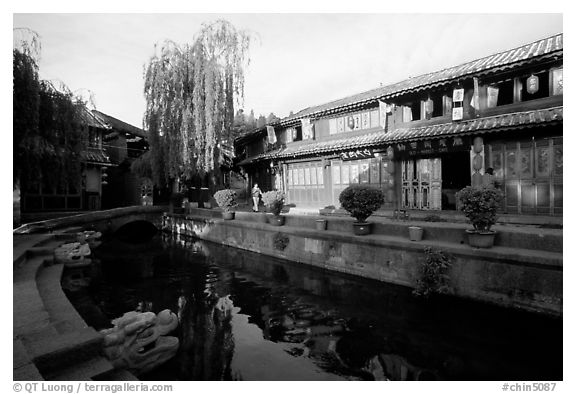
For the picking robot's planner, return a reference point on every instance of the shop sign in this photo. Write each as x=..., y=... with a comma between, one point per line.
x=357, y=154
x=432, y=147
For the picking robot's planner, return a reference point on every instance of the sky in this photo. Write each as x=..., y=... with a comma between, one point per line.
x=297, y=60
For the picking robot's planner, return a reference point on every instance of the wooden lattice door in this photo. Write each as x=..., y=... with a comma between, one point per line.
x=422, y=184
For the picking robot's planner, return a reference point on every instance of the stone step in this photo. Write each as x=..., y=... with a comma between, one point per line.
x=31, y=319
x=511, y=236
x=82, y=371
x=63, y=316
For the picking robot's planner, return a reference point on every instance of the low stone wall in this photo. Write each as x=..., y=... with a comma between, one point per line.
x=507, y=276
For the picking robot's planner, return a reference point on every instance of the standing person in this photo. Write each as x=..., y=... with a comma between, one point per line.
x=256, y=193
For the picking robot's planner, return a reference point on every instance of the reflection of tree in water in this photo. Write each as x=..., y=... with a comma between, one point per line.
x=207, y=345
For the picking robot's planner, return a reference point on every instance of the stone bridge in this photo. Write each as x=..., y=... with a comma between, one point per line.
x=108, y=221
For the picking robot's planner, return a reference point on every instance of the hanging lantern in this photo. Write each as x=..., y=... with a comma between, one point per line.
x=350, y=121
x=532, y=84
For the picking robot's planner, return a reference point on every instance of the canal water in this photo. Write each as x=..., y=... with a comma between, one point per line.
x=244, y=316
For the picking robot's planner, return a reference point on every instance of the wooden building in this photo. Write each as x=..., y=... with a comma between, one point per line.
x=106, y=181
x=123, y=143
x=423, y=139
x=83, y=194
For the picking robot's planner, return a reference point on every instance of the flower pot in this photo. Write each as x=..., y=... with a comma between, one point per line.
x=362, y=228
x=321, y=224
x=276, y=220
x=228, y=215
x=481, y=239
x=415, y=233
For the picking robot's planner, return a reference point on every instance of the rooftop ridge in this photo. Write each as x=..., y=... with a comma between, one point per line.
x=510, y=56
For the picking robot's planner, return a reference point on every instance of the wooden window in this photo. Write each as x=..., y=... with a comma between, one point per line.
x=374, y=118
x=336, y=174
x=332, y=126
x=365, y=120
x=354, y=173
x=437, y=105
x=374, y=171
x=447, y=102
x=505, y=92
x=414, y=111
x=297, y=133
x=320, y=171
x=364, y=171
x=340, y=124
x=345, y=174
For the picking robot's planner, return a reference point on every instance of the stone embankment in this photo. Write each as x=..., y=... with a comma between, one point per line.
x=523, y=270
x=50, y=339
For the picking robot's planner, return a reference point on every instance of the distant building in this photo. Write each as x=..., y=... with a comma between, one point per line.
x=423, y=139
x=105, y=182
x=82, y=194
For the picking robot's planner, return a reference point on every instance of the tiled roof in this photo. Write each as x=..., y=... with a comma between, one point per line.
x=89, y=119
x=550, y=46
x=119, y=125
x=96, y=156
x=486, y=124
x=480, y=125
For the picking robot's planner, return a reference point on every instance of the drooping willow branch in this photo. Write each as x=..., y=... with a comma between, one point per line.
x=190, y=92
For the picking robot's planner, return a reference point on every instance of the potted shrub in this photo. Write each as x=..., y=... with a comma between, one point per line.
x=176, y=200
x=274, y=201
x=479, y=205
x=361, y=202
x=226, y=199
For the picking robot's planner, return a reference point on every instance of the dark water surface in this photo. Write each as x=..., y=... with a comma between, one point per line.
x=287, y=321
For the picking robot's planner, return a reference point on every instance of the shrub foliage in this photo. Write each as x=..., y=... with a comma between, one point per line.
x=479, y=205
x=226, y=199
x=433, y=276
x=274, y=201
x=361, y=201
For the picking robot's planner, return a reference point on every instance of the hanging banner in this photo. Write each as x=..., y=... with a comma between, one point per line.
x=383, y=107
x=307, y=129
x=457, y=113
x=458, y=95
x=428, y=108
x=557, y=81
x=407, y=114
x=271, y=135
x=492, y=96
x=475, y=102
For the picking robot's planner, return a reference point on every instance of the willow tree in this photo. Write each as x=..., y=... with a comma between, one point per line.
x=190, y=92
x=48, y=136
